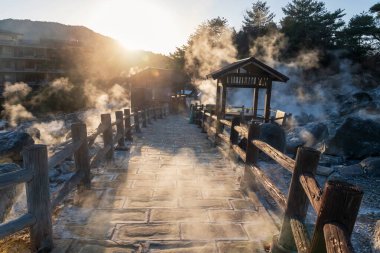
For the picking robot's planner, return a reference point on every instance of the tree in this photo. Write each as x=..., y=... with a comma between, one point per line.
x=376, y=9
x=258, y=19
x=309, y=25
x=258, y=22
x=361, y=36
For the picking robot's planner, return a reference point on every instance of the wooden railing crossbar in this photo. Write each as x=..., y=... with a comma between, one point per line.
x=37, y=164
x=327, y=203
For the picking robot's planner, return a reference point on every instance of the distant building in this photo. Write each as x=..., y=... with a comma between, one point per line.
x=154, y=86
x=32, y=62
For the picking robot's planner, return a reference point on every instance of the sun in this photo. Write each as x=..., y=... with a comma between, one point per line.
x=144, y=25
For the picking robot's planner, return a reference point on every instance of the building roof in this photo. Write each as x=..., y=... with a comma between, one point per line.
x=253, y=67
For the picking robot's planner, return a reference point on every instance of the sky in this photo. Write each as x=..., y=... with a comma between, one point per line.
x=155, y=25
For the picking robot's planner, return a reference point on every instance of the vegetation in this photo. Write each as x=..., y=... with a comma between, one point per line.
x=307, y=25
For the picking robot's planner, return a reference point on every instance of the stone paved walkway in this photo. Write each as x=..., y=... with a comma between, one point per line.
x=173, y=192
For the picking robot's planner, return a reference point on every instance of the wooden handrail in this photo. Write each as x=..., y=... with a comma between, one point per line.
x=243, y=131
x=337, y=239
x=226, y=122
x=301, y=236
x=61, y=155
x=276, y=155
x=16, y=225
x=15, y=177
x=312, y=190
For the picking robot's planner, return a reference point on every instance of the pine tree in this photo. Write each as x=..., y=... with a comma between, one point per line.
x=309, y=25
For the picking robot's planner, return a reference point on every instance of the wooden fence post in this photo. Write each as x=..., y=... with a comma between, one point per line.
x=148, y=113
x=38, y=197
x=107, y=135
x=81, y=156
x=154, y=113
x=137, y=121
x=128, y=129
x=160, y=113
x=296, y=208
x=120, y=131
x=234, y=135
x=144, y=119
x=252, y=151
x=340, y=204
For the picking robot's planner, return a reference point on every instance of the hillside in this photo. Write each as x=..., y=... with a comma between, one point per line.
x=96, y=57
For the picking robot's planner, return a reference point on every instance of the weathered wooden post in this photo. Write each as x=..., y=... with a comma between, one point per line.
x=128, y=128
x=160, y=115
x=234, y=135
x=81, y=156
x=154, y=113
x=144, y=119
x=137, y=121
x=252, y=156
x=35, y=158
x=252, y=151
x=203, y=121
x=340, y=205
x=296, y=208
x=107, y=135
x=120, y=131
x=148, y=113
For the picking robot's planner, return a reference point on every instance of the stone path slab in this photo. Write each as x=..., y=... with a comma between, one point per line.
x=172, y=192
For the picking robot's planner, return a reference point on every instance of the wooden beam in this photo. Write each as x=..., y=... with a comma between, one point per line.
x=337, y=239
x=255, y=101
x=276, y=155
x=301, y=236
x=15, y=177
x=268, y=95
x=223, y=102
x=16, y=225
x=340, y=203
x=312, y=190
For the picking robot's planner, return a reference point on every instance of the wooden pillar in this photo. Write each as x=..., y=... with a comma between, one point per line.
x=107, y=135
x=223, y=102
x=218, y=99
x=120, y=131
x=148, y=115
x=340, y=204
x=268, y=95
x=137, y=121
x=128, y=129
x=81, y=156
x=296, y=208
x=154, y=113
x=144, y=118
x=159, y=113
x=234, y=135
x=252, y=151
x=255, y=101
x=35, y=158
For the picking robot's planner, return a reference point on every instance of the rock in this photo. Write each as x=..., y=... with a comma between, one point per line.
x=371, y=166
x=308, y=135
x=328, y=160
x=376, y=237
x=274, y=135
x=324, y=171
x=356, y=138
x=12, y=143
x=354, y=102
x=8, y=194
x=350, y=171
x=67, y=167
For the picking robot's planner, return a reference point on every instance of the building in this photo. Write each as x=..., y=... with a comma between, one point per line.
x=32, y=62
x=154, y=86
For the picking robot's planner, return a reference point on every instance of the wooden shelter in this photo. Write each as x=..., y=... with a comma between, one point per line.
x=246, y=73
x=153, y=86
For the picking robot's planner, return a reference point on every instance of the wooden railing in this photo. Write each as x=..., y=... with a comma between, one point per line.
x=336, y=205
x=36, y=165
